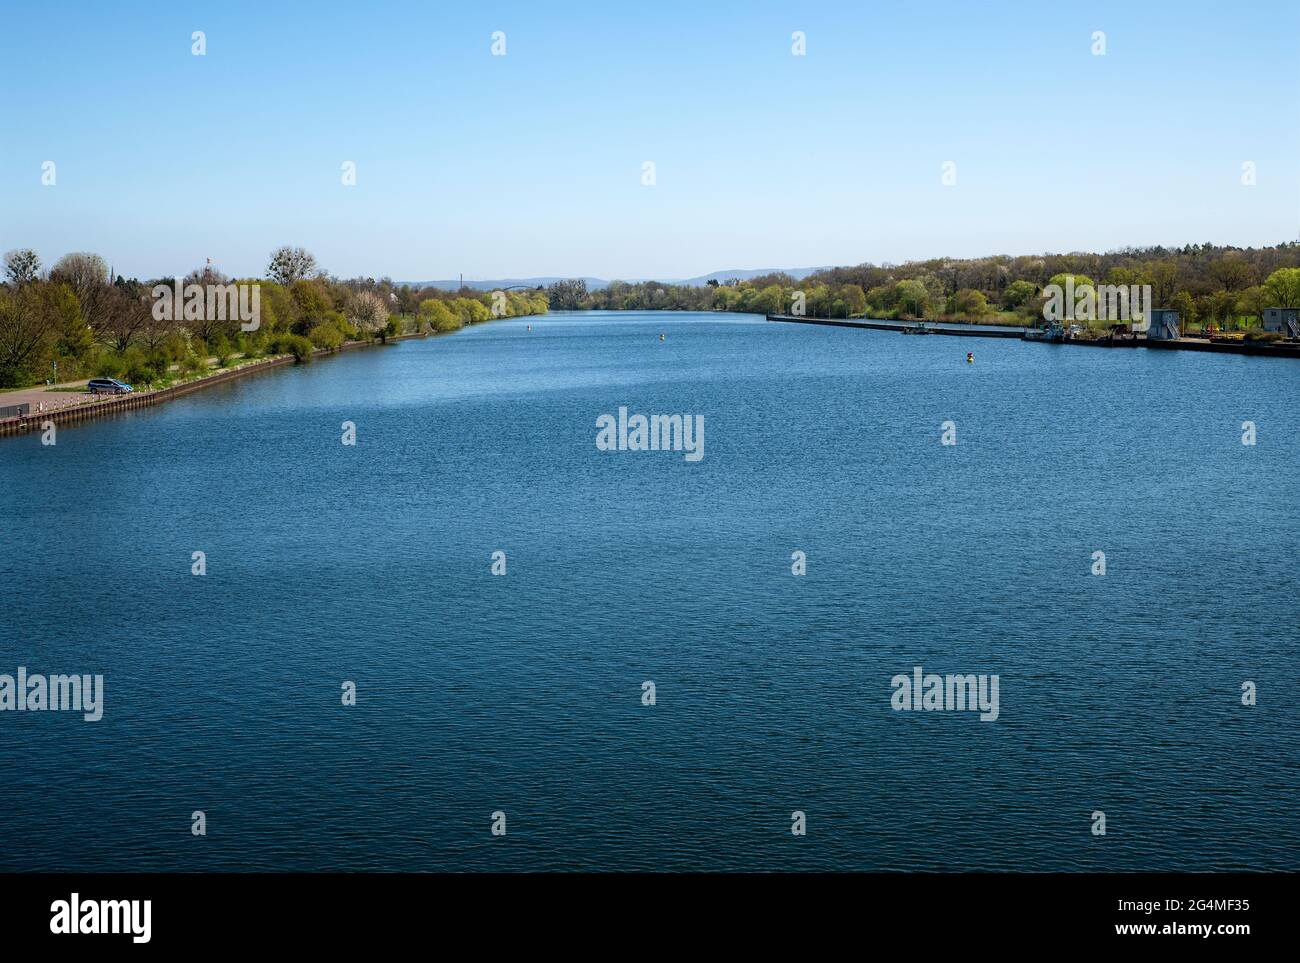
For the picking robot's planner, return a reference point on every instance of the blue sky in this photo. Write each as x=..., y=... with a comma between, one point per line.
x=531, y=163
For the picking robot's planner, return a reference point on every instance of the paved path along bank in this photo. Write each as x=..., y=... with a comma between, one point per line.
x=86, y=407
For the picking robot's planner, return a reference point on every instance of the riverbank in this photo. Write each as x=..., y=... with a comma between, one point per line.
x=932, y=327
x=62, y=411
x=957, y=328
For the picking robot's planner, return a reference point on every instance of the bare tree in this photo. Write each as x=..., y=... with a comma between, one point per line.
x=87, y=275
x=289, y=264
x=82, y=270
x=209, y=323
x=208, y=274
x=22, y=265
x=125, y=315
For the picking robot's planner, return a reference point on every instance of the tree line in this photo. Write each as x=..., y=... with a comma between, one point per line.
x=78, y=321
x=1226, y=287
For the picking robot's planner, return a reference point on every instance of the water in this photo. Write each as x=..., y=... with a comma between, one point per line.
x=522, y=693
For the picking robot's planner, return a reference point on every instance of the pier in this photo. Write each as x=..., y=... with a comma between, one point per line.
x=931, y=327
x=1288, y=349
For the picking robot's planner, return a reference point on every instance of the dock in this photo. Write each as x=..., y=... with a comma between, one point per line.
x=964, y=329
x=959, y=328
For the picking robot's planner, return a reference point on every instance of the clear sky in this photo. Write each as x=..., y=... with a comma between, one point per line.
x=531, y=163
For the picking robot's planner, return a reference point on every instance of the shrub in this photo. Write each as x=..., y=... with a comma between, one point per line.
x=137, y=367
x=252, y=345
x=177, y=347
x=15, y=376
x=326, y=336
x=158, y=364
x=294, y=344
x=193, y=364
x=109, y=364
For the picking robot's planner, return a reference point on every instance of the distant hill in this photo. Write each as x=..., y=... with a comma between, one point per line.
x=720, y=276
x=493, y=284
x=595, y=284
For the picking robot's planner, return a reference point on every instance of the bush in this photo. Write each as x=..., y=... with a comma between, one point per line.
x=252, y=345
x=1263, y=337
x=109, y=364
x=294, y=344
x=156, y=366
x=177, y=347
x=326, y=336
x=193, y=364
x=138, y=371
x=15, y=376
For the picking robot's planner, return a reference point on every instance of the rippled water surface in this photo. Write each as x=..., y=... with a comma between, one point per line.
x=522, y=693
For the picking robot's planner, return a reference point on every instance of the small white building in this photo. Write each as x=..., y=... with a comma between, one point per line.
x=1285, y=321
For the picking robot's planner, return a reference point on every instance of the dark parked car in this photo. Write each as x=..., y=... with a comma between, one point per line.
x=108, y=386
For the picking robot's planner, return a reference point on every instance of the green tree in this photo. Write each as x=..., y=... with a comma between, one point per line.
x=567, y=295
x=912, y=299
x=970, y=304
x=75, y=339
x=1283, y=288
x=326, y=336
x=1186, y=308
x=1061, y=280
x=855, y=299
x=438, y=316
x=1164, y=281
x=26, y=334
x=1252, y=302
x=470, y=310
x=1231, y=272
x=770, y=300
x=1018, y=293
x=311, y=303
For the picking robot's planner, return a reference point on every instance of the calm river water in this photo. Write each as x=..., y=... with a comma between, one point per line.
x=523, y=693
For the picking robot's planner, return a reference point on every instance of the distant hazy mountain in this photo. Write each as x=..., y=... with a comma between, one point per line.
x=595, y=284
x=797, y=273
x=493, y=284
